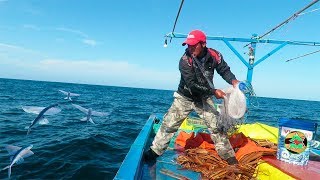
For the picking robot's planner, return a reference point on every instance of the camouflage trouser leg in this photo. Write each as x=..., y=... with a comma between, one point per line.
x=206, y=111
x=179, y=110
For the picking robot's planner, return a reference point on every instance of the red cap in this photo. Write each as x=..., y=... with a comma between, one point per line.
x=194, y=37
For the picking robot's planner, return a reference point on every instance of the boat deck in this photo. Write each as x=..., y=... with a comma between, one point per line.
x=134, y=167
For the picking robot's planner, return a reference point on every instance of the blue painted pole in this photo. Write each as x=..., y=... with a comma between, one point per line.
x=252, y=49
x=270, y=53
x=249, y=40
x=236, y=53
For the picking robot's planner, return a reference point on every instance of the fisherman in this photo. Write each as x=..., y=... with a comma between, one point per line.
x=195, y=92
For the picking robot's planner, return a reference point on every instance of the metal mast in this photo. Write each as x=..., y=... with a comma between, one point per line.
x=252, y=62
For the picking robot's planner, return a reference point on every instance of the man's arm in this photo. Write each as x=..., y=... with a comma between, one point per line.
x=224, y=70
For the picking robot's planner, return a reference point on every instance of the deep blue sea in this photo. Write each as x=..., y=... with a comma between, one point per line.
x=68, y=148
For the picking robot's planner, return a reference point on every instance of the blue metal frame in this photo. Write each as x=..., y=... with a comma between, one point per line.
x=253, y=42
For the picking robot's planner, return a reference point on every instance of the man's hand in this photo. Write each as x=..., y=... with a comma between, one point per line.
x=219, y=94
x=235, y=83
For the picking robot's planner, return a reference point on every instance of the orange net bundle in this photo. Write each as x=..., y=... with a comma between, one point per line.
x=200, y=156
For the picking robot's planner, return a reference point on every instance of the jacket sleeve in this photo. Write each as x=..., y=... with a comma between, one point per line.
x=188, y=74
x=224, y=70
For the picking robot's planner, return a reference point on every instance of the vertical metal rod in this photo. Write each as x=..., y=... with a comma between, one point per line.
x=252, y=55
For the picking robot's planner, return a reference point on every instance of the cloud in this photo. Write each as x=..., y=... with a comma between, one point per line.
x=22, y=63
x=107, y=72
x=80, y=33
x=85, y=38
x=9, y=45
x=12, y=49
x=89, y=42
x=32, y=27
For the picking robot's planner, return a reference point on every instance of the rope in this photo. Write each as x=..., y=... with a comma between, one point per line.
x=310, y=11
x=295, y=15
x=175, y=22
x=303, y=55
x=203, y=71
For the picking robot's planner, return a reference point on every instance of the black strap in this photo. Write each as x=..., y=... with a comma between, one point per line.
x=202, y=71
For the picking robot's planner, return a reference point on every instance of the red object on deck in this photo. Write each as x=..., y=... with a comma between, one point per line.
x=310, y=171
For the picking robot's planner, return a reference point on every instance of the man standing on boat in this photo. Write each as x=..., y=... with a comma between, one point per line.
x=195, y=92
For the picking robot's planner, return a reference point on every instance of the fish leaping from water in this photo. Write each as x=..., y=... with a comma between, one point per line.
x=41, y=111
x=17, y=155
x=89, y=112
x=69, y=94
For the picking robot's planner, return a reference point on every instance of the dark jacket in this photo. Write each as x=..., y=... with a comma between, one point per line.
x=193, y=84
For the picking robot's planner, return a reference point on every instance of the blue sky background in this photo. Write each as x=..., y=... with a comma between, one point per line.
x=120, y=43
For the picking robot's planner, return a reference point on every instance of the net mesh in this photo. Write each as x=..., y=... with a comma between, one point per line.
x=232, y=110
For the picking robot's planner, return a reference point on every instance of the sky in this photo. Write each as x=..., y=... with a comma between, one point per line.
x=120, y=43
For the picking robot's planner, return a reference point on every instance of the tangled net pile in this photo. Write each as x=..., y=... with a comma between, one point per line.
x=225, y=123
x=212, y=166
x=232, y=110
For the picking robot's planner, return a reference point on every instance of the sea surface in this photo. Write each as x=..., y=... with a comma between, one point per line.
x=68, y=148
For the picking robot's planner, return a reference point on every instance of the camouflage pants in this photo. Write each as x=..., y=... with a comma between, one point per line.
x=179, y=110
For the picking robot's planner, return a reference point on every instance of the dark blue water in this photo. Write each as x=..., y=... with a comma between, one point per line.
x=67, y=148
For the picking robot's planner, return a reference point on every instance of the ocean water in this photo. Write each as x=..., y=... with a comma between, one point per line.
x=68, y=148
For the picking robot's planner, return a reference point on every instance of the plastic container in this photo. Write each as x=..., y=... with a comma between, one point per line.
x=294, y=140
x=242, y=86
